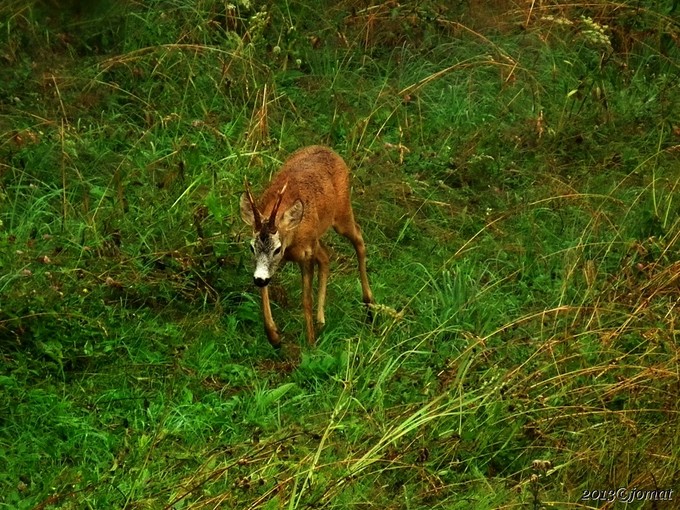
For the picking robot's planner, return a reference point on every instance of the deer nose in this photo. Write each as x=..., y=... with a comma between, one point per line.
x=261, y=282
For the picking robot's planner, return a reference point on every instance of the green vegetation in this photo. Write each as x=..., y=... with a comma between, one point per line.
x=516, y=174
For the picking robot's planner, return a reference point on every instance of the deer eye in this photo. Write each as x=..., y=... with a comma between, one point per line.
x=277, y=250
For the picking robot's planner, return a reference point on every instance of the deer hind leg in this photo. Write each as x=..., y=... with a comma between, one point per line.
x=347, y=227
x=307, y=269
x=322, y=263
x=269, y=325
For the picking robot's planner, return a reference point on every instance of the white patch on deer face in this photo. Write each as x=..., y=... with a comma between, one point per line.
x=261, y=271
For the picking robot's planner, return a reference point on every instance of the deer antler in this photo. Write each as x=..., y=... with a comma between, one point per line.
x=272, y=217
x=256, y=212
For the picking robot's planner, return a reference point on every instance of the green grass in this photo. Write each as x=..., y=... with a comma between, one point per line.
x=515, y=174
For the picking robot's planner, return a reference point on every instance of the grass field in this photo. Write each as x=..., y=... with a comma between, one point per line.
x=516, y=168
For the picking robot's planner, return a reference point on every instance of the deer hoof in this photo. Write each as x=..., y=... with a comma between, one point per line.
x=369, y=311
x=274, y=339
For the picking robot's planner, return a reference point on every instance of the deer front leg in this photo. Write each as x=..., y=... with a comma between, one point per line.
x=269, y=325
x=322, y=260
x=307, y=269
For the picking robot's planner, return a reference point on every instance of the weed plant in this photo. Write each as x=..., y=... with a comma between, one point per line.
x=515, y=172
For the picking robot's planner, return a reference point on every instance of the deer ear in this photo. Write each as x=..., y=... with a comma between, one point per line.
x=293, y=216
x=247, y=214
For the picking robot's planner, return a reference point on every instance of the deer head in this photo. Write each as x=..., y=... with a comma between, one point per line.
x=270, y=238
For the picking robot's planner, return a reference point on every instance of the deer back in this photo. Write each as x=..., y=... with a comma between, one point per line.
x=317, y=177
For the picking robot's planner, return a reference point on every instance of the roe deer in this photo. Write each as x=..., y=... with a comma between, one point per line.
x=312, y=191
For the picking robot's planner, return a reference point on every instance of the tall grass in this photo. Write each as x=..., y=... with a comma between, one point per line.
x=515, y=173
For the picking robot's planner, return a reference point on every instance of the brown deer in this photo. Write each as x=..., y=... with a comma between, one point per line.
x=312, y=192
